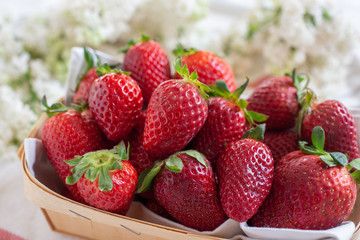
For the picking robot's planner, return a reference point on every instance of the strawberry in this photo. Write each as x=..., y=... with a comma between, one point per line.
x=226, y=121
x=208, y=66
x=281, y=143
x=116, y=101
x=184, y=184
x=278, y=98
x=245, y=171
x=338, y=125
x=311, y=189
x=68, y=133
x=105, y=178
x=176, y=112
x=154, y=206
x=148, y=63
x=83, y=87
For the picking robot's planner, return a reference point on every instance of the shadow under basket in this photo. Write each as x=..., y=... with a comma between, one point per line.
x=72, y=218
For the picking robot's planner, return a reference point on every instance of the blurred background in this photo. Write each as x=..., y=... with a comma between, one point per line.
x=318, y=37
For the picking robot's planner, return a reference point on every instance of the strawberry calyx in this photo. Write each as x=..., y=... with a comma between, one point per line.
x=331, y=159
x=180, y=51
x=220, y=89
x=97, y=165
x=58, y=107
x=256, y=133
x=106, y=68
x=183, y=71
x=132, y=42
x=173, y=163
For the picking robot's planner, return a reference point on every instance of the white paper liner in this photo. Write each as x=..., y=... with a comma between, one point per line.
x=41, y=168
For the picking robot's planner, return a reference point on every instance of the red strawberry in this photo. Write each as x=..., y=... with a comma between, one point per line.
x=83, y=89
x=148, y=63
x=68, y=134
x=105, y=179
x=185, y=186
x=245, y=171
x=338, y=125
x=277, y=97
x=208, y=66
x=154, y=206
x=176, y=112
x=281, y=143
x=226, y=121
x=310, y=191
x=116, y=101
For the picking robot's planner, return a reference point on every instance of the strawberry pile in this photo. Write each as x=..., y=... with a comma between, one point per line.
x=196, y=152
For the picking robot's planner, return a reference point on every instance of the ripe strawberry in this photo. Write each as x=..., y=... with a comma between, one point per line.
x=154, y=206
x=176, y=112
x=226, y=121
x=81, y=94
x=338, y=125
x=311, y=190
x=68, y=134
x=185, y=186
x=278, y=98
x=105, y=179
x=148, y=63
x=245, y=171
x=116, y=101
x=281, y=143
x=208, y=66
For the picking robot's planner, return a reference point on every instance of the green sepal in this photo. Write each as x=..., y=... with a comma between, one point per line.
x=55, y=108
x=257, y=117
x=90, y=62
x=355, y=163
x=77, y=173
x=147, y=176
x=105, y=181
x=92, y=173
x=197, y=155
x=123, y=151
x=180, y=51
x=340, y=158
x=256, y=133
x=356, y=176
x=132, y=42
x=106, y=68
x=308, y=150
x=240, y=90
x=174, y=164
x=328, y=160
x=75, y=161
x=318, y=138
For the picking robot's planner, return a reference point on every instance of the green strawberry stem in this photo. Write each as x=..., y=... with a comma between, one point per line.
x=185, y=74
x=220, y=89
x=97, y=165
x=331, y=159
x=106, y=68
x=132, y=42
x=173, y=163
x=180, y=51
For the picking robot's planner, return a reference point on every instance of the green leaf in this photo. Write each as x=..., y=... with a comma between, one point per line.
x=180, y=51
x=116, y=165
x=178, y=65
x=92, y=173
x=77, y=173
x=318, y=138
x=89, y=59
x=75, y=161
x=256, y=133
x=185, y=71
x=242, y=103
x=174, y=164
x=122, y=151
x=237, y=93
x=197, y=155
x=147, y=176
x=105, y=181
x=328, y=160
x=144, y=38
x=339, y=158
x=356, y=176
x=257, y=117
x=308, y=150
x=222, y=86
x=355, y=163
x=194, y=75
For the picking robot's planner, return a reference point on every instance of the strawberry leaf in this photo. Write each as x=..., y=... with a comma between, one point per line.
x=257, y=117
x=106, y=68
x=356, y=176
x=222, y=86
x=77, y=173
x=180, y=51
x=92, y=174
x=89, y=59
x=197, y=155
x=122, y=151
x=318, y=138
x=237, y=93
x=54, y=108
x=105, y=181
x=194, y=75
x=147, y=176
x=256, y=133
x=307, y=149
x=355, y=163
x=328, y=160
x=174, y=164
x=340, y=158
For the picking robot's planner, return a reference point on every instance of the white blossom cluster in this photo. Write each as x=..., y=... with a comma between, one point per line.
x=311, y=36
x=34, y=51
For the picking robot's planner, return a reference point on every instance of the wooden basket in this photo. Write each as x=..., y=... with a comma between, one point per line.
x=72, y=218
